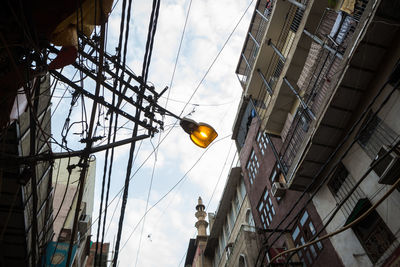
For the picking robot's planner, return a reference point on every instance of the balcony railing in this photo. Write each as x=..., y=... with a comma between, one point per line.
x=281, y=48
x=254, y=38
x=318, y=87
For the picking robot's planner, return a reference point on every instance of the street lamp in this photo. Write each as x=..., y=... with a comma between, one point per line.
x=200, y=133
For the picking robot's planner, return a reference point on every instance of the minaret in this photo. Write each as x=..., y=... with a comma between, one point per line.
x=201, y=223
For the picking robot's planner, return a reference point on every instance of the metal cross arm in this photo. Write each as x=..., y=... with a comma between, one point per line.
x=113, y=75
x=112, y=59
x=101, y=101
x=6, y=160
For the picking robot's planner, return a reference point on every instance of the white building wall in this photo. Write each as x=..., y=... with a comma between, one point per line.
x=357, y=162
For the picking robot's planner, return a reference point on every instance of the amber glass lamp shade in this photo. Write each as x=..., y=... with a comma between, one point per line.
x=201, y=134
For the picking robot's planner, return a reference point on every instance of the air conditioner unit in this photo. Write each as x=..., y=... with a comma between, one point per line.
x=388, y=169
x=278, y=189
x=83, y=225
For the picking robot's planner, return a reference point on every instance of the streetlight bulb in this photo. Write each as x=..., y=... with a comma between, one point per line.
x=200, y=133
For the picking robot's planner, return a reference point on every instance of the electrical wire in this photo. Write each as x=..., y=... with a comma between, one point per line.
x=145, y=78
x=360, y=218
x=173, y=187
x=159, y=137
x=325, y=165
x=145, y=67
x=220, y=175
x=216, y=57
x=119, y=49
x=178, y=53
x=147, y=202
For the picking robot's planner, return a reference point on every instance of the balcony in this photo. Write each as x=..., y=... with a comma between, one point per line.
x=334, y=85
x=254, y=39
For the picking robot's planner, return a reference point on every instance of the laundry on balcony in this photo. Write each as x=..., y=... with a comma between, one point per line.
x=341, y=28
x=348, y=6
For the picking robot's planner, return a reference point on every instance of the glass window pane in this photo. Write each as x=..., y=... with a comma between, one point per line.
x=312, y=229
x=319, y=245
x=242, y=189
x=300, y=254
x=261, y=207
x=296, y=233
x=304, y=218
x=313, y=252
x=309, y=257
x=273, y=176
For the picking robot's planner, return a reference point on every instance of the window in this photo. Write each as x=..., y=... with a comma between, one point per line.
x=242, y=189
x=249, y=218
x=262, y=142
x=338, y=178
x=232, y=219
x=302, y=233
x=236, y=205
x=374, y=134
x=372, y=232
x=242, y=261
x=221, y=243
x=227, y=230
x=252, y=167
x=266, y=209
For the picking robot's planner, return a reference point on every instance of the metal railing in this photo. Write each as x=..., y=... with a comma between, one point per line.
x=375, y=134
x=318, y=89
x=282, y=47
x=255, y=36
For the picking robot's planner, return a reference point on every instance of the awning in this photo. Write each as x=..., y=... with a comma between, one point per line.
x=362, y=206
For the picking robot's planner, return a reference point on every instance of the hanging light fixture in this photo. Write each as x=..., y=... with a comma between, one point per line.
x=200, y=133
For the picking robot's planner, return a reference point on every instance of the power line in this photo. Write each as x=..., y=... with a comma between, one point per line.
x=147, y=203
x=325, y=165
x=364, y=215
x=220, y=175
x=145, y=67
x=352, y=190
x=173, y=187
x=217, y=56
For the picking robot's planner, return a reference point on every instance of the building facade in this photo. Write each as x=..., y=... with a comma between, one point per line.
x=26, y=192
x=317, y=132
x=232, y=238
x=66, y=173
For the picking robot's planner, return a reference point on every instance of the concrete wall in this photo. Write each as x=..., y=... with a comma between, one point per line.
x=357, y=162
x=60, y=181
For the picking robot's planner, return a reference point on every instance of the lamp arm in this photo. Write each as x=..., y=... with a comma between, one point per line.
x=167, y=112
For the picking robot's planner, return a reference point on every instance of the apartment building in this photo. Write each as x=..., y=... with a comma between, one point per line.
x=66, y=173
x=317, y=130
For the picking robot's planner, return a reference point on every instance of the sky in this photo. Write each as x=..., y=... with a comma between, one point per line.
x=168, y=226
